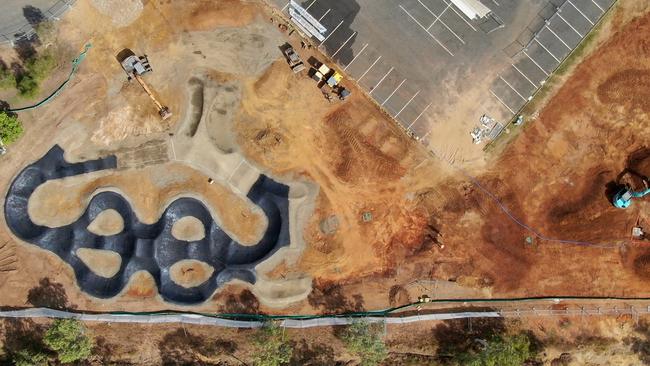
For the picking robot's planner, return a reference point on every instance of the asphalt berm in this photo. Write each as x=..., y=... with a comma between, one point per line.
x=146, y=247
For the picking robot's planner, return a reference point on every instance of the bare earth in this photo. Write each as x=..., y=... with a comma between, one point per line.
x=240, y=112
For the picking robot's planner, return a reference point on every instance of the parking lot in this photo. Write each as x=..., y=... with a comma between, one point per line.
x=437, y=71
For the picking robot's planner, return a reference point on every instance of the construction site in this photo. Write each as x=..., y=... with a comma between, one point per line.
x=209, y=156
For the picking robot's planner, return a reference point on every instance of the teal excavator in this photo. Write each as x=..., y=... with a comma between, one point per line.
x=623, y=198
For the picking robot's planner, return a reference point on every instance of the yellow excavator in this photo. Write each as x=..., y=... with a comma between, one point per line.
x=135, y=67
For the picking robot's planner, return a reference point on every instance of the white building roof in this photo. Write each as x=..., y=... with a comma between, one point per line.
x=474, y=9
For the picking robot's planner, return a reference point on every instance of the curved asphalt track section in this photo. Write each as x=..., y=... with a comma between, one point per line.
x=146, y=247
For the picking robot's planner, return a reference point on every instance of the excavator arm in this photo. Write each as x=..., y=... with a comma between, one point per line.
x=163, y=111
x=641, y=194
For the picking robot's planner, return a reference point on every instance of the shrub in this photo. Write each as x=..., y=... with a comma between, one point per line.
x=364, y=340
x=273, y=348
x=46, y=31
x=500, y=351
x=7, y=79
x=40, y=67
x=30, y=357
x=28, y=86
x=10, y=128
x=37, y=69
x=67, y=337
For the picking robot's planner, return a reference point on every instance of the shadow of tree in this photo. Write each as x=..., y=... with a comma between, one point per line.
x=243, y=303
x=49, y=295
x=33, y=15
x=318, y=354
x=330, y=297
x=641, y=345
x=457, y=336
x=22, y=334
x=25, y=47
x=180, y=347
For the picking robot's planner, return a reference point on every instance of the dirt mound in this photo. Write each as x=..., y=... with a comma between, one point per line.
x=357, y=157
x=108, y=222
x=208, y=15
x=190, y=273
x=629, y=88
x=642, y=266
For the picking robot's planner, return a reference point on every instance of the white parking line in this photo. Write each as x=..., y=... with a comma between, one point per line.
x=391, y=94
x=437, y=18
x=309, y=6
x=502, y=102
x=557, y=36
x=546, y=49
x=536, y=64
x=329, y=35
x=460, y=16
x=327, y=12
x=569, y=24
x=512, y=87
x=355, y=57
x=595, y=3
x=346, y=41
x=381, y=80
x=424, y=29
x=419, y=115
x=524, y=75
x=580, y=11
x=286, y=6
x=368, y=69
x=407, y=103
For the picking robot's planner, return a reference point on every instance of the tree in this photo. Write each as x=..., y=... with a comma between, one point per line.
x=273, y=348
x=364, y=340
x=27, y=86
x=7, y=79
x=40, y=67
x=30, y=357
x=500, y=351
x=68, y=338
x=10, y=128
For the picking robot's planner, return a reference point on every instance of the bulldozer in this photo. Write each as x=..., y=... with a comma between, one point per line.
x=135, y=67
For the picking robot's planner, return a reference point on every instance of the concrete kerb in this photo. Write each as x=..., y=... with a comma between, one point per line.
x=604, y=16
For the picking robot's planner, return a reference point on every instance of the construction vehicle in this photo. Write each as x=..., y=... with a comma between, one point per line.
x=135, y=67
x=325, y=75
x=623, y=198
x=295, y=63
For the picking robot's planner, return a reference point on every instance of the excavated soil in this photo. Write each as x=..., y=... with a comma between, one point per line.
x=427, y=228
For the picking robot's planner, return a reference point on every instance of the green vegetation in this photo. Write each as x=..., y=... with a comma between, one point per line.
x=364, y=340
x=46, y=32
x=30, y=357
x=500, y=351
x=68, y=338
x=10, y=128
x=37, y=69
x=7, y=79
x=273, y=348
